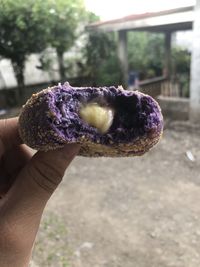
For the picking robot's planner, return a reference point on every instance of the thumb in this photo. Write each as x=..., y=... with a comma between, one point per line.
x=37, y=181
x=46, y=169
x=24, y=203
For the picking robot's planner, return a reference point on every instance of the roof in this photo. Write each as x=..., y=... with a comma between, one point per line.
x=172, y=19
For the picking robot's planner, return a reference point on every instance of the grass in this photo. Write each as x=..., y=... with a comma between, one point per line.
x=51, y=243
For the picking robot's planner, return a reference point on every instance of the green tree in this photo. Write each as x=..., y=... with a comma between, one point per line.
x=24, y=29
x=30, y=26
x=100, y=52
x=101, y=64
x=146, y=53
x=181, y=59
x=66, y=26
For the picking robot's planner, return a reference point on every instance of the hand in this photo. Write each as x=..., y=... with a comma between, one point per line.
x=26, y=184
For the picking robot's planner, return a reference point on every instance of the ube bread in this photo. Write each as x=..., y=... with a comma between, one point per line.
x=51, y=118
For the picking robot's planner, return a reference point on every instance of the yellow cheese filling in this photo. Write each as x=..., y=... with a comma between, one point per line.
x=97, y=116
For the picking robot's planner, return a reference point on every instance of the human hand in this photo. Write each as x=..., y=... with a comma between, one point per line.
x=26, y=183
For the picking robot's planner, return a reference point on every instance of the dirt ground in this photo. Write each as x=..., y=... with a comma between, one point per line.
x=127, y=212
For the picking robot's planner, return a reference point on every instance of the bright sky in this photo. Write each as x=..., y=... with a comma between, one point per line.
x=110, y=9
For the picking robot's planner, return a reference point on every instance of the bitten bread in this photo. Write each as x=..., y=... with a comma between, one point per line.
x=105, y=121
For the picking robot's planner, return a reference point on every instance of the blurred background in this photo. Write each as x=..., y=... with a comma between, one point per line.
x=139, y=212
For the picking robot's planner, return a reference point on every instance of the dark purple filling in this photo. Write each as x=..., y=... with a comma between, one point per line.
x=135, y=115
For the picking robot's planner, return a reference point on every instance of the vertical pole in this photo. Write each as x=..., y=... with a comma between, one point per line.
x=122, y=54
x=167, y=62
x=195, y=69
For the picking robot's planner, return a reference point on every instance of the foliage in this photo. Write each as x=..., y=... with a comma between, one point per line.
x=109, y=72
x=100, y=61
x=181, y=59
x=24, y=29
x=67, y=15
x=30, y=26
x=52, y=231
x=146, y=53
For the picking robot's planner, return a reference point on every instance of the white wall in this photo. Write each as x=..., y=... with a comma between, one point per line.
x=195, y=69
x=33, y=75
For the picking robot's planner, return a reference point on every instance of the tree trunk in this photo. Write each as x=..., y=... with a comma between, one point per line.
x=61, y=66
x=18, y=67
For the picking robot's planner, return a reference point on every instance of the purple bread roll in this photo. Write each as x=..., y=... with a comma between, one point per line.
x=59, y=115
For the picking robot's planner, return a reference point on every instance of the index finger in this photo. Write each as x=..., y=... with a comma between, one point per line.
x=9, y=135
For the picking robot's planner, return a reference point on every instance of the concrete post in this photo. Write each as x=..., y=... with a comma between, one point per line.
x=195, y=69
x=122, y=54
x=167, y=59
